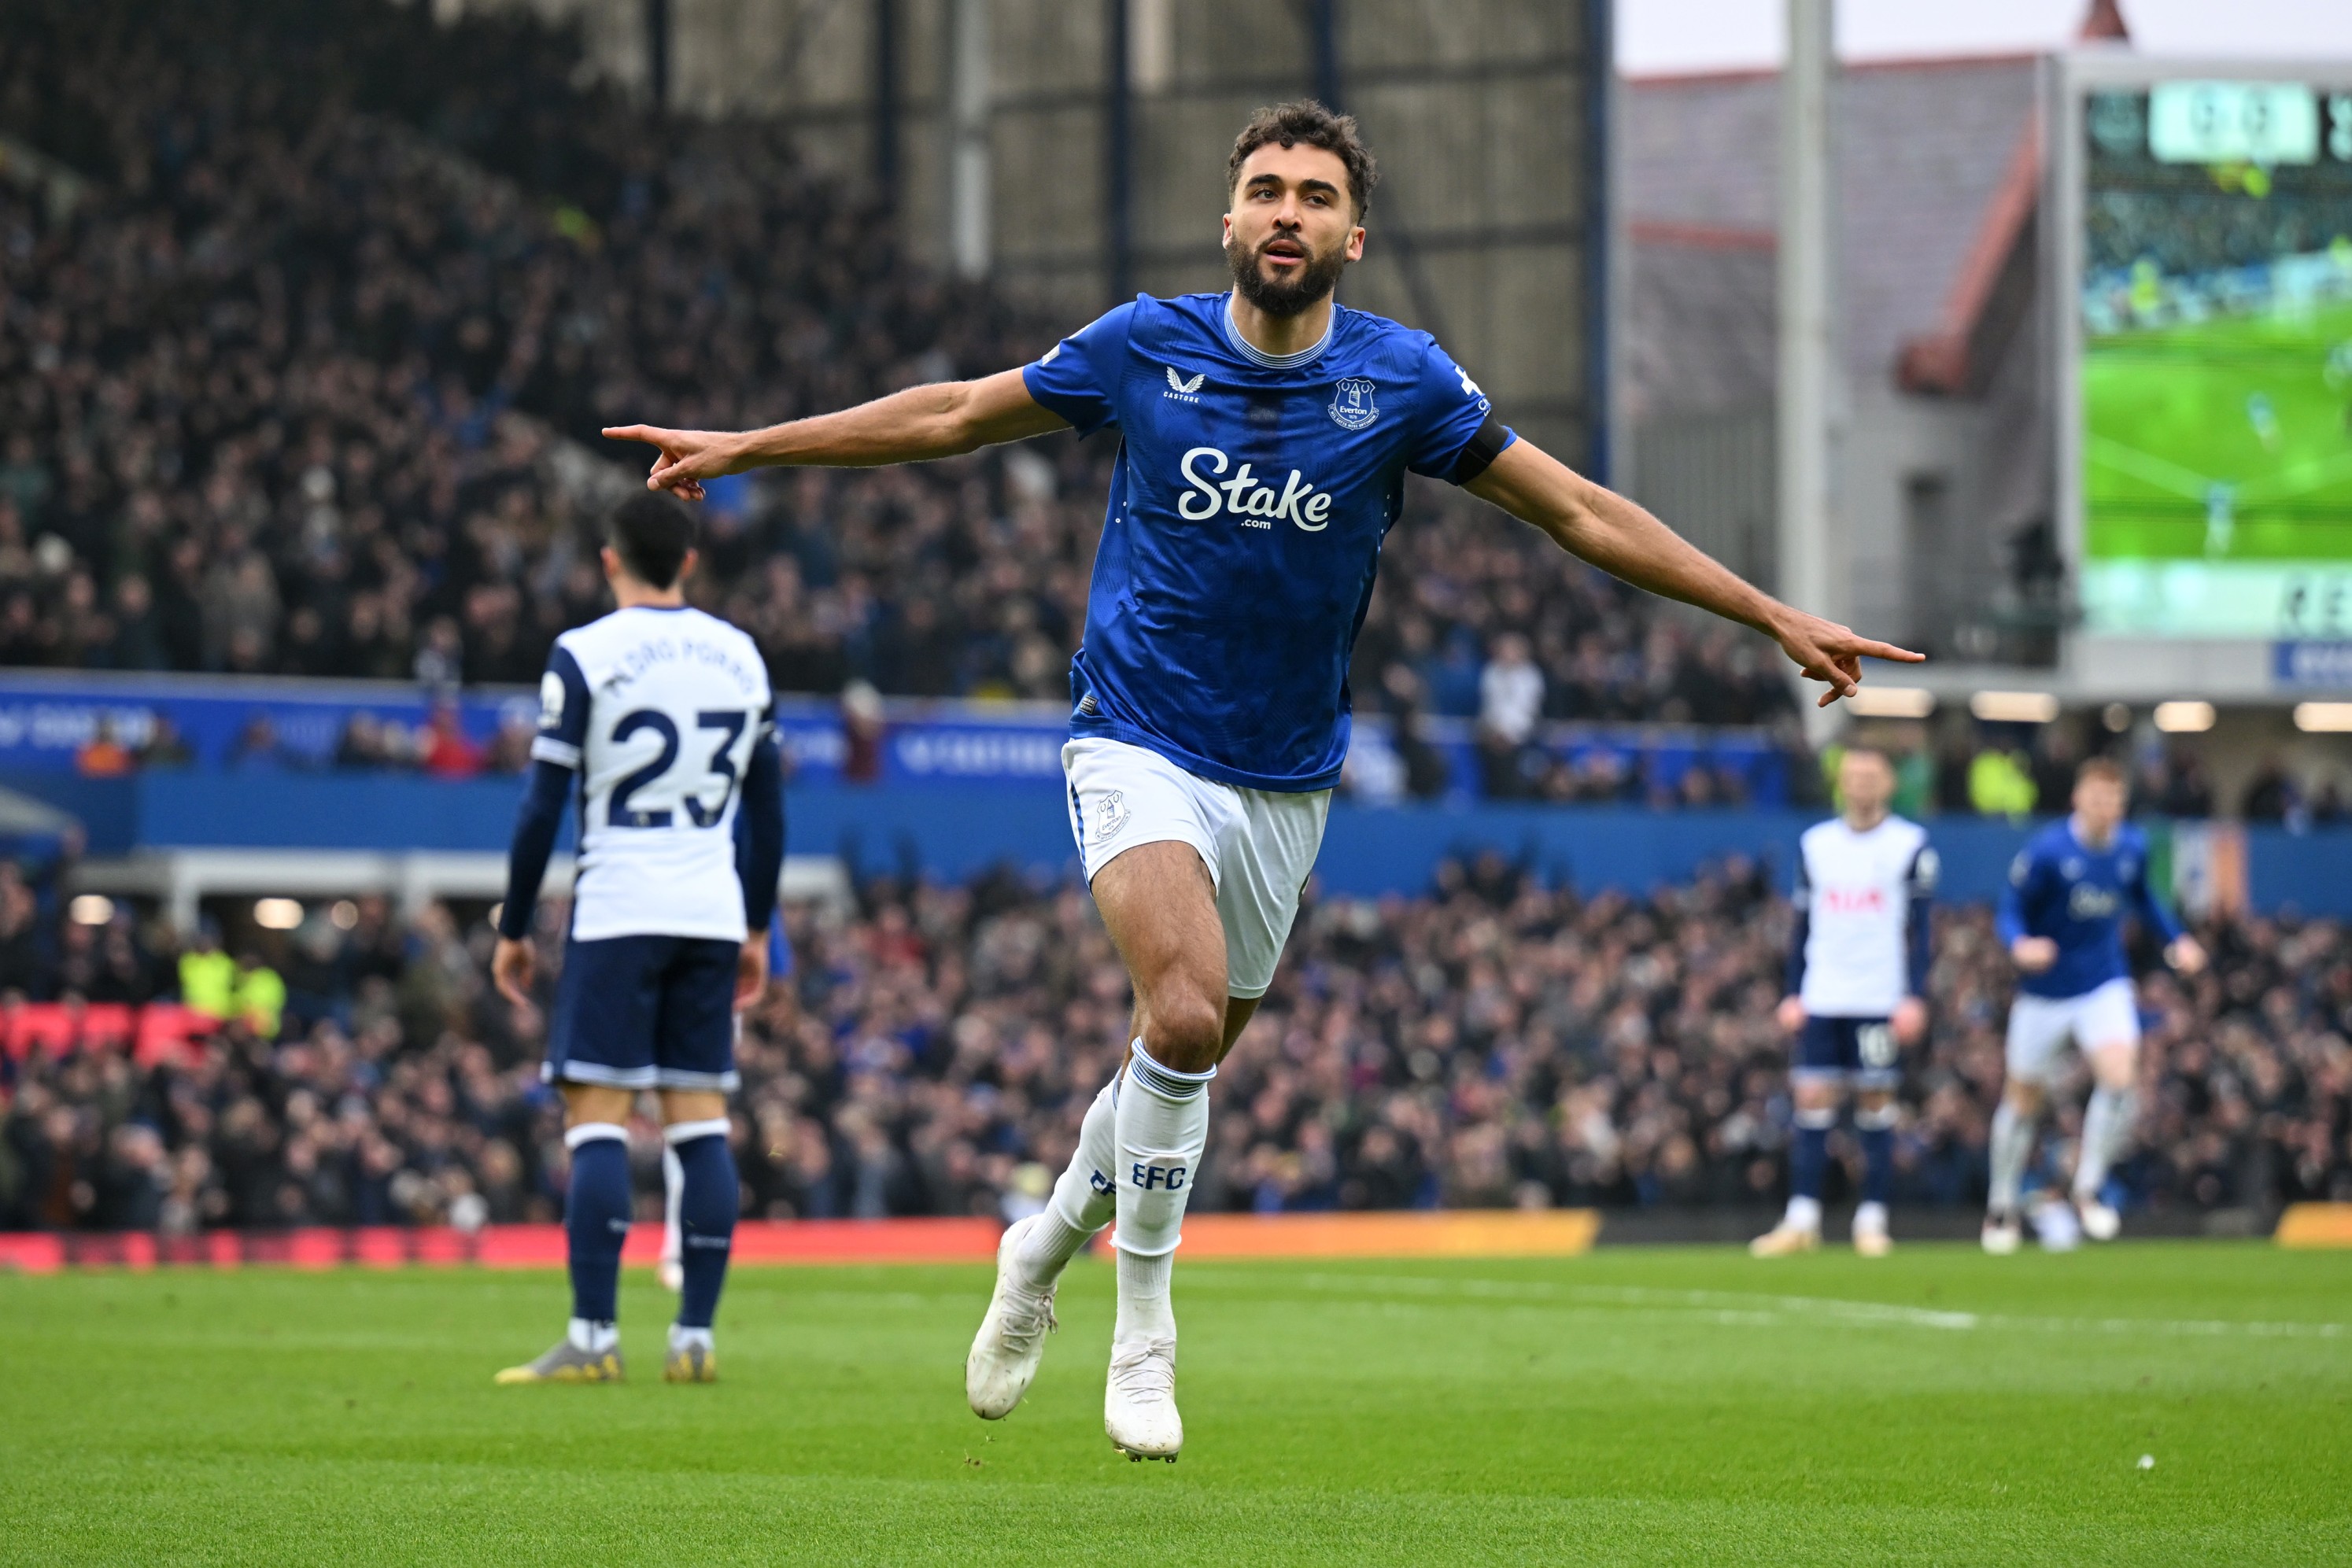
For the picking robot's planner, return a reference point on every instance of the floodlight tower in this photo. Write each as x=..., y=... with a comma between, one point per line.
x=969, y=91
x=1807, y=400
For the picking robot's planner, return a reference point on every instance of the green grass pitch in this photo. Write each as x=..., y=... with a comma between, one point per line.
x=2247, y=401
x=1628, y=1407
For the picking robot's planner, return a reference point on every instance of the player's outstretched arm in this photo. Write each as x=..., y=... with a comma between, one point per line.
x=946, y=419
x=1614, y=534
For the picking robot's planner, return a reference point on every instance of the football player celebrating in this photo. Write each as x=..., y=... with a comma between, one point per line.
x=1266, y=434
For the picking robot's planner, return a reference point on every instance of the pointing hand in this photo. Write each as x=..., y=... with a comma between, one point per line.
x=687, y=456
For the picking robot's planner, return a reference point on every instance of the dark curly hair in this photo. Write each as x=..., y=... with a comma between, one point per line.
x=1304, y=119
x=651, y=531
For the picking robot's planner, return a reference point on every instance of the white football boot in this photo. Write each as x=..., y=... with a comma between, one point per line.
x=2056, y=1226
x=1012, y=1338
x=2002, y=1234
x=1139, y=1400
x=1785, y=1240
x=2100, y=1223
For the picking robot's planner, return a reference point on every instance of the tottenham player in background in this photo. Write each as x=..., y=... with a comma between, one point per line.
x=658, y=718
x=1266, y=433
x=2060, y=918
x=1857, y=985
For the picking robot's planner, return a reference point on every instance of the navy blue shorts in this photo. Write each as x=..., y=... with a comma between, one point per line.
x=645, y=1012
x=1860, y=1050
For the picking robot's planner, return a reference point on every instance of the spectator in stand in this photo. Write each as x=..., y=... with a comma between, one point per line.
x=1511, y=701
x=1492, y=1041
x=509, y=749
x=208, y=976
x=257, y=746
x=320, y=426
x=2173, y=784
x=165, y=746
x=103, y=755
x=362, y=745
x=258, y=1000
x=448, y=752
x=25, y=944
x=2270, y=794
x=2057, y=751
x=2000, y=784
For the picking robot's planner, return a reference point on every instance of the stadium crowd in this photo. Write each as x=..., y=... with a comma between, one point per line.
x=1490, y=1043
x=290, y=376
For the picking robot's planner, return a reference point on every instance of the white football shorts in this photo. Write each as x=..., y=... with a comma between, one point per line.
x=1258, y=844
x=2041, y=1027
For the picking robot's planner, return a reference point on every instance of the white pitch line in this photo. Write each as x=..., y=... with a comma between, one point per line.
x=2148, y=467
x=1750, y=1307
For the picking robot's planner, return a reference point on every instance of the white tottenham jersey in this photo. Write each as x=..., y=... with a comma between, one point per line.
x=658, y=711
x=1856, y=890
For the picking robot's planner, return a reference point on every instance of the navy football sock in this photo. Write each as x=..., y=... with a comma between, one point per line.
x=706, y=1217
x=1811, y=1155
x=597, y=1217
x=1877, y=1163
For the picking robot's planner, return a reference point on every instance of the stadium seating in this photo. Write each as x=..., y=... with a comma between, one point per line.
x=293, y=372
x=1489, y=1044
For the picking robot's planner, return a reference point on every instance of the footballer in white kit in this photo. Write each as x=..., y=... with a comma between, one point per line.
x=1857, y=990
x=658, y=721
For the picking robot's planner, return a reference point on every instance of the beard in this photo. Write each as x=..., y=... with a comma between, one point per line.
x=1287, y=296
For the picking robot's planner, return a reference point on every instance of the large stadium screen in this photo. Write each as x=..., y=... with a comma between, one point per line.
x=2215, y=329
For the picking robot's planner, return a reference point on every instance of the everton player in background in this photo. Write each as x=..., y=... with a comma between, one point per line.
x=2062, y=920
x=1265, y=437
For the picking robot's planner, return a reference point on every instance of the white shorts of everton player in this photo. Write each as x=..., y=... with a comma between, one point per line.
x=1258, y=844
x=2041, y=1027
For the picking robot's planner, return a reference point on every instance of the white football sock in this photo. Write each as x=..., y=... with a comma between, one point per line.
x=593, y=1338
x=1162, y=1123
x=1083, y=1200
x=2013, y=1146
x=2107, y=1128
x=673, y=1190
x=682, y=1337
x=1804, y=1214
x=1144, y=1310
x=1870, y=1217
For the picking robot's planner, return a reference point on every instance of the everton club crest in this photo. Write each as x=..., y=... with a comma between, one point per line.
x=1352, y=403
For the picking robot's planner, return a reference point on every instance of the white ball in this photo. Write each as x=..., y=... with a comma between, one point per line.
x=2148, y=1461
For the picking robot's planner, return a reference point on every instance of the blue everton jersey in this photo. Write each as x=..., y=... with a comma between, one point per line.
x=1246, y=514
x=2078, y=896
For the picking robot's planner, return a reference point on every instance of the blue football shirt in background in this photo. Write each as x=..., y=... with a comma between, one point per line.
x=1247, y=507
x=2077, y=897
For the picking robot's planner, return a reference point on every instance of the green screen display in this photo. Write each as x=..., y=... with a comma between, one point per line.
x=2216, y=319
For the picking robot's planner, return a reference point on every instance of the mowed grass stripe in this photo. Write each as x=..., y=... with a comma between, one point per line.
x=1690, y=1404
x=232, y=1512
